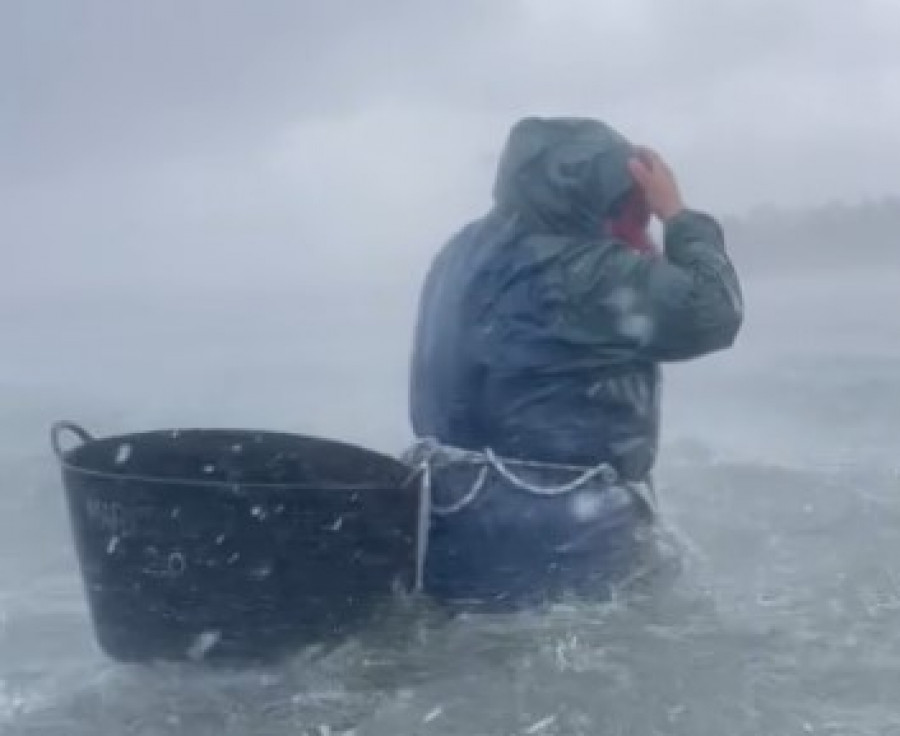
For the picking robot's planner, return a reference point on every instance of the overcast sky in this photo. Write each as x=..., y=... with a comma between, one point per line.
x=182, y=140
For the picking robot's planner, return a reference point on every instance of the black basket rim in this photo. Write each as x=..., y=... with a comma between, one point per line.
x=65, y=460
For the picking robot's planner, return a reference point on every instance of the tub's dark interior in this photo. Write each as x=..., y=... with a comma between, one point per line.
x=239, y=456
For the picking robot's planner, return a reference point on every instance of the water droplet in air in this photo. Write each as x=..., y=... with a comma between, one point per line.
x=123, y=453
x=586, y=505
x=203, y=644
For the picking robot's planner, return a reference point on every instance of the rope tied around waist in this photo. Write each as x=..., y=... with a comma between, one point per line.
x=422, y=454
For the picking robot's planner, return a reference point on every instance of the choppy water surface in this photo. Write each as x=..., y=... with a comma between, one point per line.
x=779, y=482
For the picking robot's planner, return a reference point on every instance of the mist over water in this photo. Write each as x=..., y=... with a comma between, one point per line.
x=778, y=479
x=234, y=232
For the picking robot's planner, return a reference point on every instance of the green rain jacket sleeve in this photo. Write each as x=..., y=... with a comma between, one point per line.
x=682, y=305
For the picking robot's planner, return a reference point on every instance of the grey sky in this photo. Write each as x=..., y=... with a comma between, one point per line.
x=195, y=139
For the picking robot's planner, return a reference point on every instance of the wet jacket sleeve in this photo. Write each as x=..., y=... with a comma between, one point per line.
x=677, y=307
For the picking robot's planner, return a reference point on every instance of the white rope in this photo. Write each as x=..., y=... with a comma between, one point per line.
x=465, y=500
x=426, y=449
x=424, y=526
x=603, y=469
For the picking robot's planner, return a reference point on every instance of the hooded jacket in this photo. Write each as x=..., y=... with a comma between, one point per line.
x=539, y=336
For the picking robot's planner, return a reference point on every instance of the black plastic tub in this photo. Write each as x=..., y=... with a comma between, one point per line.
x=233, y=544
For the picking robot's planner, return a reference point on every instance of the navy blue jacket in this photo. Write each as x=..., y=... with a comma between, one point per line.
x=540, y=337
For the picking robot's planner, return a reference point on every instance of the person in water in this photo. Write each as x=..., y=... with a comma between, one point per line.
x=535, y=373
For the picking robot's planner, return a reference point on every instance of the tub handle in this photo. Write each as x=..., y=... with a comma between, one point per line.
x=60, y=428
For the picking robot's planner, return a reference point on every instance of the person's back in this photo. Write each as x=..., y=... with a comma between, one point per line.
x=540, y=330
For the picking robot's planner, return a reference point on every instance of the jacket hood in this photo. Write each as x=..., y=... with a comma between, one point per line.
x=563, y=175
